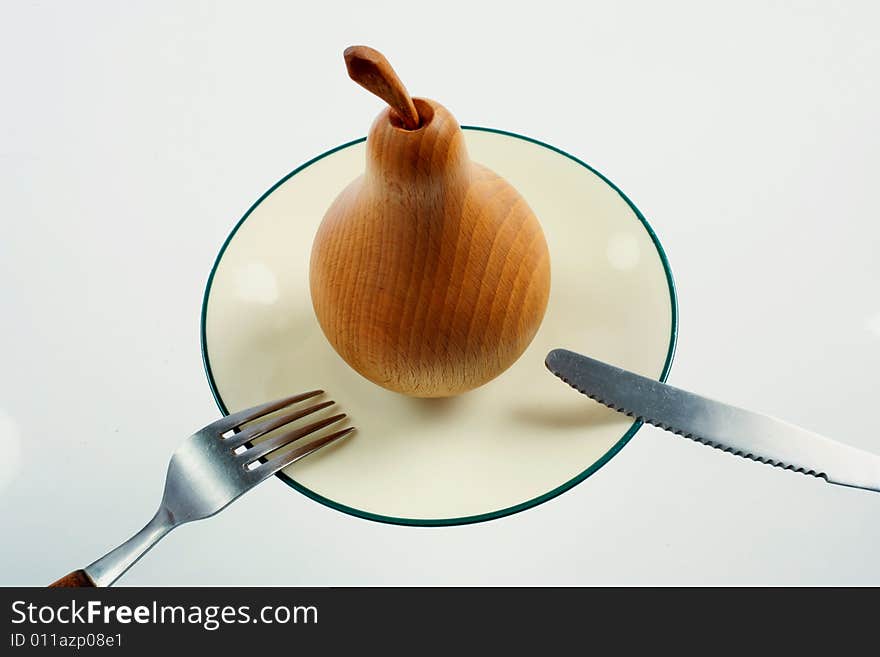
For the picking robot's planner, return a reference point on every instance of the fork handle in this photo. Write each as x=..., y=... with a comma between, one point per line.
x=112, y=565
x=78, y=578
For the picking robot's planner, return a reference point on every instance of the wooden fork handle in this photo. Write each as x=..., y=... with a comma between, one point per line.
x=77, y=578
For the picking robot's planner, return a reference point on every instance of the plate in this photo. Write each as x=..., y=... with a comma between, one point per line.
x=512, y=444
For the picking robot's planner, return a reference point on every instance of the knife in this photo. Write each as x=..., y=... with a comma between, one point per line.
x=744, y=433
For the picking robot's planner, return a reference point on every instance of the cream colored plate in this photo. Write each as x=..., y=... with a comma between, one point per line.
x=515, y=442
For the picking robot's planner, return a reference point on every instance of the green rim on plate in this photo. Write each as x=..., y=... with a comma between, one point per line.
x=440, y=522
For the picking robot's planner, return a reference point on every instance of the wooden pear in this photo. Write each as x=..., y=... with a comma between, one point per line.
x=429, y=273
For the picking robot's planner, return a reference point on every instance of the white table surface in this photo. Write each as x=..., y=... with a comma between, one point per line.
x=134, y=135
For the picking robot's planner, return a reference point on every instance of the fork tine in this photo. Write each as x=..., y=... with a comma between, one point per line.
x=255, y=431
x=276, y=442
x=274, y=465
x=235, y=420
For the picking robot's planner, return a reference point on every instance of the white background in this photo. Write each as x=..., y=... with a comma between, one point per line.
x=134, y=135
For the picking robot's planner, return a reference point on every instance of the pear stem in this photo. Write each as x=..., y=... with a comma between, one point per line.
x=370, y=69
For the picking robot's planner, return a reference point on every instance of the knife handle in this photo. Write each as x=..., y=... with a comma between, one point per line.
x=77, y=578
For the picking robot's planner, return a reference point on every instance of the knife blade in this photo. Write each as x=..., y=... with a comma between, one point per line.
x=736, y=430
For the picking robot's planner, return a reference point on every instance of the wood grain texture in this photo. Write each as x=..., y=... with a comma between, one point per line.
x=370, y=69
x=429, y=274
x=77, y=578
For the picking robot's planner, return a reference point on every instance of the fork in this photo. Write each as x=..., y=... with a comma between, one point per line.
x=210, y=470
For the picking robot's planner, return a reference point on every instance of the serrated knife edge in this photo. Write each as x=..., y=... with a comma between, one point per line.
x=728, y=428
